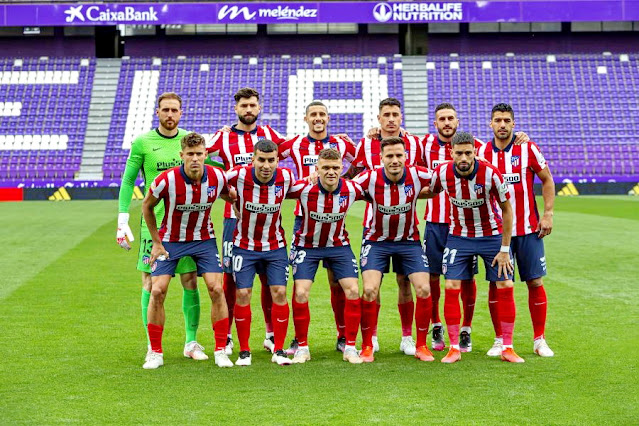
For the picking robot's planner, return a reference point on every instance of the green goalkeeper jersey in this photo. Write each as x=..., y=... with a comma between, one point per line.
x=152, y=153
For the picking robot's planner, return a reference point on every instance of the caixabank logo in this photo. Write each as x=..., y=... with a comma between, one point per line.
x=418, y=12
x=103, y=13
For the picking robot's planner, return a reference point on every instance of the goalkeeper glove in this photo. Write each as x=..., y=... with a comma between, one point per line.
x=124, y=235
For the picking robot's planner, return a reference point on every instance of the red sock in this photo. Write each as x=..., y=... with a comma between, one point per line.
x=423, y=311
x=492, y=307
x=220, y=329
x=229, y=293
x=243, y=325
x=369, y=321
x=378, y=306
x=301, y=319
x=507, y=313
x=267, y=303
x=452, y=314
x=338, y=301
x=155, y=336
x=468, y=297
x=435, y=292
x=352, y=317
x=280, y=314
x=538, y=304
x=406, y=312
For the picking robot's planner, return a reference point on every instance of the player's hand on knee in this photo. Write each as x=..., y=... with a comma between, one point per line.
x=124, y=235
x=503, y=264
x=158, y=252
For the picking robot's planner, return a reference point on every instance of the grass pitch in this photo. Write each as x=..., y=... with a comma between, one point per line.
x=72, y=344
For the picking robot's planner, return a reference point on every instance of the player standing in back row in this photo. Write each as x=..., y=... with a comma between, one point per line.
x=235, y=148
x=519, y=164
x=152, y=153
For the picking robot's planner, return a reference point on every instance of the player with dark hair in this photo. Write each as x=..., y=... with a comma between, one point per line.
x=259, y=244
x=188, y=192
x=474, y=189
x=235, y=147
x=368, y=157
x=152, y=153
x=304, y=151
x=520, y=164
x=391, y=232
x=321, y=236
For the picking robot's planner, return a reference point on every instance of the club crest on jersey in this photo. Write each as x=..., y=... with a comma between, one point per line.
x=409, y=190
x=279, y=191
x=479, y=188
x=332, y=145
x=343, y=200
x=514, y=160
x=211, y=190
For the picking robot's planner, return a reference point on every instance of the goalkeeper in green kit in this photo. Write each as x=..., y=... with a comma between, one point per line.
x=154, y=152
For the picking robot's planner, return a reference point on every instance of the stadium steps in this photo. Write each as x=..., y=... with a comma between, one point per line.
x=415, y=83
x=105, y=84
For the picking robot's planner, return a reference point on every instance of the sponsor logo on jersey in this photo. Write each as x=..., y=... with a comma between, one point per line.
x=398, y=209
x=467, y=204
x=479, y=188
x=514, y=160
x=418, y=12
x=409, y=190
x=102, y=13
x=262, y=208
x=511, y=178
x=343, y=200
x=279, y=191
x=326, y=217
x=198, y=207
x=240, y=159
x=166, y=165
x=436, y=163
x=309, y=160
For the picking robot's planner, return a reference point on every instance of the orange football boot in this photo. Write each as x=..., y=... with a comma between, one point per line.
x=423, y=354
x=367, y=354
x=453, y=355
x=509, y=355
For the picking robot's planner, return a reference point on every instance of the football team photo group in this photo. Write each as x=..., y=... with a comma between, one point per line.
x=480, y=207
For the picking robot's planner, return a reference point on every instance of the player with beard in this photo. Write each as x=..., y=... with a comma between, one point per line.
x=235, y=147
x=436, y=150
x=474, y=189
x=520, y=164
x=368, y=157
x=304, y=151
x=152, y=153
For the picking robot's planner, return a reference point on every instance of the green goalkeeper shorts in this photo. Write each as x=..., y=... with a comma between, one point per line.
x=185, y=265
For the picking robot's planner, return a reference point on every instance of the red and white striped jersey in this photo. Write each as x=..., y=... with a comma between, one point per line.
x=187, y=206
x=369, y=150
x=518, y=164
x=259, y=225
x=392, y=215
x=304, y=150
x=475, y=212
x=323, y=212
x=434, y=153
x=235, y=148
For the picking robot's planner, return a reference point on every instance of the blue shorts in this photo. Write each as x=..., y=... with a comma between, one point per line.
x=246, y=263
x=227, y=244
x=305, y=262
x=459, y=252
x=376, y=255
x=435, y=237
x=204, y=253
x=397, y=263
x=529, y=256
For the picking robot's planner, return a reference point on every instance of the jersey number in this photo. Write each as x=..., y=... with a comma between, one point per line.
x=237, y=262
x=299, y=258
x=452, y=253
x=227, y=247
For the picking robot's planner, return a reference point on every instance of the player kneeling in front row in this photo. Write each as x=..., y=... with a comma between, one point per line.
x=259, y=244
x=322, y=236
x=188, y=192
x=474, y=187
x=391, y=231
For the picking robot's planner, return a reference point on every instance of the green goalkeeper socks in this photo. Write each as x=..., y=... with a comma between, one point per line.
x=146, y=296
x=191, y=309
